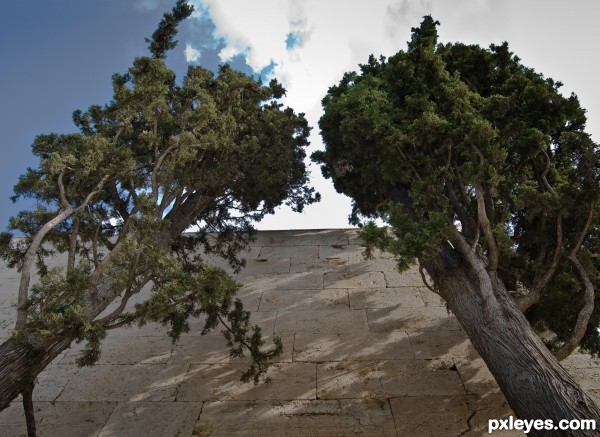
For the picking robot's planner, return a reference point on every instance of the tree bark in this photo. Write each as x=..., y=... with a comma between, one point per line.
x=535, y=385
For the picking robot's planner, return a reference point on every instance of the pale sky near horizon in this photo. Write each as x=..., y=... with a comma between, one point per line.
x=59, y=55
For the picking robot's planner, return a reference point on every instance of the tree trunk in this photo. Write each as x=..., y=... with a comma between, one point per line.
x=28, y=408
x=535, y=385
x=21, y=363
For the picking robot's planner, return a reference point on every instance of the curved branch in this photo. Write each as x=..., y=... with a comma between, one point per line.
x=545, y=173
x=535, y=292
x=487, y=231
x=584, y=315
x=35, y=245
x=586, y=312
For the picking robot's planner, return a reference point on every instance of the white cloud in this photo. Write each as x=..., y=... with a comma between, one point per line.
x=337, y=35
x=191, y=54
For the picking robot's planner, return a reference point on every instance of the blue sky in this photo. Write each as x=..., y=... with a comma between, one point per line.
x=59, y=55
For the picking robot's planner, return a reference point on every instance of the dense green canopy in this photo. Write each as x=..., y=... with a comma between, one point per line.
x=441, y=138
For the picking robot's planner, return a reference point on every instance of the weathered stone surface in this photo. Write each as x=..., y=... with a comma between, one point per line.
x=52, y=381
x=411, y=319
x=212, y=349
x=144, y=350
x=303, y=265
x=393, y=345
x=580, y=361
x=340, y=251
x=588, y=378
x=140, y=382
x=321, y=321
x=430, y=415
x=298, y=281
x=327, y=418
x=392, y=378
x=165, y=419
x=371, y=339
x=65, y=419
x=222, y=382
x=385, y=297
x=263, y=265
x=439, y=344
x=483, y=408
x=353, y=279
x=313, y=237
x=263, y=319
x=296, y=300
x=287, y=252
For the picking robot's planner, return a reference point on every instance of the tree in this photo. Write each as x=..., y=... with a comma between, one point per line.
x=486, y=176
x=217, y=152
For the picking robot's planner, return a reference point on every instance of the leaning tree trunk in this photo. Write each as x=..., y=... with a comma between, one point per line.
x=535, y=385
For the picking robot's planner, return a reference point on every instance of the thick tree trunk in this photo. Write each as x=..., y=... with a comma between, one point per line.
x=21, y=363
x=535, y=385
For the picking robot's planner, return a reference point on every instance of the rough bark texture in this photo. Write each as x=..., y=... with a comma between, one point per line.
x=535, y=385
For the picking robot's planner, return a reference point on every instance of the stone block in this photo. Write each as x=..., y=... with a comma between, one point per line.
x=430, y=415
x=393, y=345
x=65, y=419
x=303, y=265
x=327, y=418
x=409, y=278
x=111, y=382
x=440, y=344
x=580, y=361
x=52, y=381
x=264, y=266
x=165, y=419
x=122, y=350
x=313, y=237
x=264, y=319
x=392, y=378
x=385, y=297
x=298, y=281
x=588, y=378
x=284, y=381
x=212, y=349
x=353, y=279
x=340, y=251
x=321, y=322
x=485, y=407
x=287, y=252
x=411, y=319
x=295, y=300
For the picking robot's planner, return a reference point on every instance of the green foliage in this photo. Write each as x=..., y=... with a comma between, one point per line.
x=216, y=151
x=414, y=138
x=162, y=38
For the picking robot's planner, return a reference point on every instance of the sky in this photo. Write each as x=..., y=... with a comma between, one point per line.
x=59, y=55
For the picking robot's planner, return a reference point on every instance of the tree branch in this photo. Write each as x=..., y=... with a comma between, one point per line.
x=487, y=231
x=588, y=308
x=35, y=245
x=535, y=291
